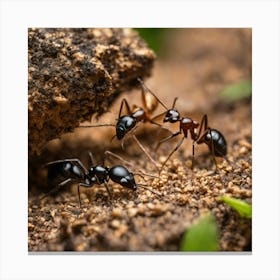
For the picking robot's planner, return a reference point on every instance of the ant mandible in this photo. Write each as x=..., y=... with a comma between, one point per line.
x=213, y=138
x=74, y=171
x=128, y=123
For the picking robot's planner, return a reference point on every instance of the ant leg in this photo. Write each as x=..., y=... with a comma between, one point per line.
x=124, y=102
x=129, y=133
x=145, y=88
x=155, y=123
x=158, y=124
x=193, y=154
x=91, y=158
x=157, y=116
x=109, y=153
x=174, y=150
x=82, y=185
x=201, y=135
x=108, y=190
x=167, y=138
x=198, y=138
x=212, y=152
x=204, y=125
x=79, y=196
x=145, y=151
x=56, y=188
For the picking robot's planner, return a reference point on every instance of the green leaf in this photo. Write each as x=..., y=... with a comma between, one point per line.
x=154, y=38
x=201, y=237
x=237, y=91
x=243, y=208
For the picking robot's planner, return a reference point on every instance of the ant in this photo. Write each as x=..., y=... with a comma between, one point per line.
x=74, y=171
x=199, y=133
x=135, y=115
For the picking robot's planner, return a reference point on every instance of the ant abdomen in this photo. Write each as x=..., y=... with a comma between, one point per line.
x=219, y=142
x=60, y=170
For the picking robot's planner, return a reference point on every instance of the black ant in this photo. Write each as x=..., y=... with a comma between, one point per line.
x=74, y=171
x=199, y=133
x=128, y=123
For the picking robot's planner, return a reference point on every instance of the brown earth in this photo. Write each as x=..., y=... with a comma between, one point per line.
x=74, y=73
x=197, y=64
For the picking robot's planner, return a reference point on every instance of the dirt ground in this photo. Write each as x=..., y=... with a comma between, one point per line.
x=196, y=65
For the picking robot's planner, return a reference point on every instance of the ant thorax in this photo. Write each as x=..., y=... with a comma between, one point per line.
x=139, y=114
x=187, y=124
x=99, y=172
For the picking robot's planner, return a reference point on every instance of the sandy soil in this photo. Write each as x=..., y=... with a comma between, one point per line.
x=197, y=64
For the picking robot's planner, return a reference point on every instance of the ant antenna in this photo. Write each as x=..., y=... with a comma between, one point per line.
x=91, y=157
x=96, y=125
x=148, y=189
x=140, y=173
x=109, y=153
x=174, y=102
x=146, y=88
x=145, y=151
x=156, y=193
x=114, y=136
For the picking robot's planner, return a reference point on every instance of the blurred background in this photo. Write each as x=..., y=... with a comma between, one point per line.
x=208, y=69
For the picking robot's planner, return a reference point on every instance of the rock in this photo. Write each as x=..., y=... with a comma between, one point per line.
x=76, y=73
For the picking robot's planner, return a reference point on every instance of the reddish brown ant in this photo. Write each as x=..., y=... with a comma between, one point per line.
x=199, y=133
x=128, y=123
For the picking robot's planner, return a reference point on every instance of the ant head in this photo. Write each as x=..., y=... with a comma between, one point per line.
x=119, y=174
x=129, y=182
x=124, y=124
x=172, y=116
